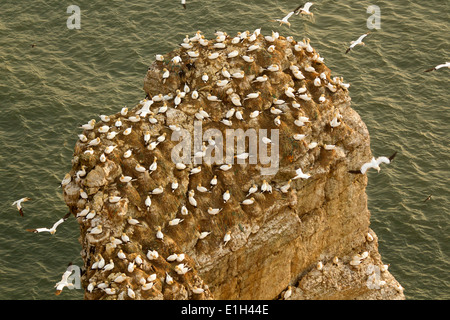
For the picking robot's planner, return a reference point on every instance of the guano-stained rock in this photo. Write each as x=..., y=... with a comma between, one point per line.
x=305, y=237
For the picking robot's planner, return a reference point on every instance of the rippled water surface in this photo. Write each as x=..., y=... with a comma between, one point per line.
x=71, y=76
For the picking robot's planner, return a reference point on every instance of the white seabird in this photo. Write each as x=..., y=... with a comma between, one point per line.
x=148, y=202
x=214, y=211
x=82, y=137
x=248, y=201
x=299, y=136
x=304, y=9
x=213, y=181
x=252, y=189
x=175, y=221
x=439, y=66
x=227, y=238
x=159, y=234
x=204, y=234
x=64, y=280
x=52, y=230
x=300, y=174
x=357, y=42
x=96, y=230
x=18, y=204
x=374, y=163
x=226, y=196
x=88, y=126
x=286, y=187
x=248, y=59
x=225, y=167
x=287, y=294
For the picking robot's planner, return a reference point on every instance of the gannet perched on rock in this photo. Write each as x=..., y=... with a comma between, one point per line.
x=300, y=174
x=152, y=254
x=214, y=211
x=248, y=58
x=226, y=238
x=88, y=126
x=319, y=265
x=248, y=201
x=287, y=294
x=253, y=189
x=191, y=198
x=175, y=221
x=226, y=196
x=213, y=181
x=159, y=233
x=197, y=290
x=225, y=167
x=285, y=19
x=334, y=122
x=204, y=234
x=286, y=187
x=96, y=230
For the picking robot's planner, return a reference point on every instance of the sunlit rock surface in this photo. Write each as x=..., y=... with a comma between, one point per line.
x=275, y=242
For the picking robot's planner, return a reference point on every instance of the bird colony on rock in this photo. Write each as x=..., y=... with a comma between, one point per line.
x=140, y=213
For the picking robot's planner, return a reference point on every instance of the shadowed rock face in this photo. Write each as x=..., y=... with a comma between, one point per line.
x=275, y=242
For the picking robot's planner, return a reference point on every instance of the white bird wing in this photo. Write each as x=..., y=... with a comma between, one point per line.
x=366, y=166
x=383, y=160
x=361, y=38
x=447, y=64
x=65, y=276
x=57, y=223
x=288, y=16
x=307, y=6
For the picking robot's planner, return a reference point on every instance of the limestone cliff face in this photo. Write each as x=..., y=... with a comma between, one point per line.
x=313, y=238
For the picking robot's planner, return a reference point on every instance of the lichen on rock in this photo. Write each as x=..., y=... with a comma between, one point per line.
x=276, y=241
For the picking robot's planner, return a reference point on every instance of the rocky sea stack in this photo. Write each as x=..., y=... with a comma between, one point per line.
x=309, y=236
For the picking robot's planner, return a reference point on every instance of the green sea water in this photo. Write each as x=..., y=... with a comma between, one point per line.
x=73, y=75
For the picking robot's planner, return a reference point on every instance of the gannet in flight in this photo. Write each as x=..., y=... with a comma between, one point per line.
x=444, y=65
x=304, y=9
x=285, y=19
x=52, y=230
x=358, y=41
x=18, y=204
x=64, y=283
x=374, y=163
